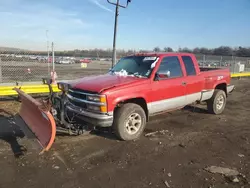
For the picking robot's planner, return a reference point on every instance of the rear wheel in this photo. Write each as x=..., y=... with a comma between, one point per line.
x=217, y=103
x=129, y=122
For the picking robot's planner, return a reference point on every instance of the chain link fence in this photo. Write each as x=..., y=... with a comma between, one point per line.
x=19, y=68
x=235, y=64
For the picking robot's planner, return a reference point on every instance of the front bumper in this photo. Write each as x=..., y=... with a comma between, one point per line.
x=89, y=118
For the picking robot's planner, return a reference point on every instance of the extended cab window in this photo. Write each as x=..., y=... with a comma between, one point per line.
x=189, y=65
x=170, y=67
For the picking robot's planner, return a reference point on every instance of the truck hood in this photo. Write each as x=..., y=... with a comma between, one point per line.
x=102, y=82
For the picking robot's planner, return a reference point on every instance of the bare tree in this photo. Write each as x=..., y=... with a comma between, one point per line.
x=157, y=49
x=168, y=49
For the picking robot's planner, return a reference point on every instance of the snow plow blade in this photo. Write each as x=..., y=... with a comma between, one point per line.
x=38, y=119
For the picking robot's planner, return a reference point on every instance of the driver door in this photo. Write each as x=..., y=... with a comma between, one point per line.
x=168, y=91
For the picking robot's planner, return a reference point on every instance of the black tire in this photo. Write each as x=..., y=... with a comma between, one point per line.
x=122, y=115
x=212, y=106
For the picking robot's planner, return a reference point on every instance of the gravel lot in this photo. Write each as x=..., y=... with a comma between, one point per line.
x=190, y=140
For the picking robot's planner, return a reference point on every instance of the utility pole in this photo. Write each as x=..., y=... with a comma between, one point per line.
x=115, y=26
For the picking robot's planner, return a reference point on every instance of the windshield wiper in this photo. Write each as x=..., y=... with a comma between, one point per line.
x=129, y=74
x=111, y=71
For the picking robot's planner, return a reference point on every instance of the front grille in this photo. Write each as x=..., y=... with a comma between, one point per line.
x=77, y=94
x=78, y=104
x=78, y=98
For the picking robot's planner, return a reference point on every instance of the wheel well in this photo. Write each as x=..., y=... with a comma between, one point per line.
x=222, y=86
x=140, y=101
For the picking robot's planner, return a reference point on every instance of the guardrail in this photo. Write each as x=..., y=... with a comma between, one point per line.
x=243, y=74
x=29, y=89
x=43, y=89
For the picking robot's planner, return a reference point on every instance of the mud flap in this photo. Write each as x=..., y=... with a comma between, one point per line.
x=38, y=119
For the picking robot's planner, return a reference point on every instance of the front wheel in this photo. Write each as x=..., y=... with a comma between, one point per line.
x=217, y=103
x=129, y=121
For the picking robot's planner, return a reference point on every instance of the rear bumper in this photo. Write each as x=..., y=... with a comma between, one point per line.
x=89, y=118
x=230, y=88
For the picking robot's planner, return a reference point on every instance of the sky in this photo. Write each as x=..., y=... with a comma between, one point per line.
x=144, y=24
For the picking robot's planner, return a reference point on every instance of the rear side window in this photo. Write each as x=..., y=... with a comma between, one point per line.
x=189, y=65
x=171, y=64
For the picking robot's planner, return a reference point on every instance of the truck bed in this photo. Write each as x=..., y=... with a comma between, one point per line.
x=208, y=72
x=214, y=75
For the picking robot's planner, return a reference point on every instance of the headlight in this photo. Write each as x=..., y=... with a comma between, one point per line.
x=93, y=98
x=99, y=103
x=63, y=86
x=101, y=99
x=102, y=109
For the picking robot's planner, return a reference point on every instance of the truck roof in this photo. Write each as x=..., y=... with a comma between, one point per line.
x=161, y=54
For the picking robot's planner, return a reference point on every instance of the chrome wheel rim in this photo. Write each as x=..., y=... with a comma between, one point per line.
x=220, y=102
x=133, y=123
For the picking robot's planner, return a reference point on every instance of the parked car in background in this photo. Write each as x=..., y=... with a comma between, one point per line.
x=33, y=57
x=85, y=60
x=66, y=61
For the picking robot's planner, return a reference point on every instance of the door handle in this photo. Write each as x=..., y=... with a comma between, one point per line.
x=184, y=83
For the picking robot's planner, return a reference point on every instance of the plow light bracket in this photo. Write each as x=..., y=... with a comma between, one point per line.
x=63, y=86
x=47, y=81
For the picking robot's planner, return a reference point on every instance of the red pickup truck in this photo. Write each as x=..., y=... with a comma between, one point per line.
x=143, y=85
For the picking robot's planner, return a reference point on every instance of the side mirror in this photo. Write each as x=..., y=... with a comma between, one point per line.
x=168, y=74
x=162, y=74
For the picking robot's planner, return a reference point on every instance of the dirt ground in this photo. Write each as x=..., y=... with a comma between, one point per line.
x=176, y=157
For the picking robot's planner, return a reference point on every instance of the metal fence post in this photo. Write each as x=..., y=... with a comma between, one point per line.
x=233, y=61
x=248, y=65
x=53, y=57
x=204, y=59
x=1, y=75
x=48, y=61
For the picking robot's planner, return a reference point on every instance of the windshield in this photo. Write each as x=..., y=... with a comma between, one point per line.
x=139, y=66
